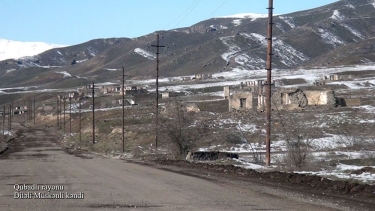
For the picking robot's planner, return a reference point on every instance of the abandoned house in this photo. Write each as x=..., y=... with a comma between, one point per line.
x=337, y=77
x=165, y=95
x=86, y=90
x=203, y=76
x=296, y=98
x=109, y=89
x=243, y=100
x=186, y=78
x=74, y=95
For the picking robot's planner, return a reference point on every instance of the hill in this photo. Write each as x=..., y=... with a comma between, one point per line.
x=335, y=34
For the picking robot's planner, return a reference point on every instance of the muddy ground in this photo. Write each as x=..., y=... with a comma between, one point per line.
x=311, y=183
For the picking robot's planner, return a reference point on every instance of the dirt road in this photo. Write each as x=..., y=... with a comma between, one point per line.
x=36, y=161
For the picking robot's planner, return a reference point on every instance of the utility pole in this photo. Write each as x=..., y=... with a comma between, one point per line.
x=34, y=110
x=57, y=112
x=11, y=112
x=70, y=115
x=123, y=109
x=10, y=117
x=93, y=113
x=60, y=111
x=80, y=137
x=157, y=90
x=268, y=93
x=31, y=110
x=3, y=120
x=64, y=113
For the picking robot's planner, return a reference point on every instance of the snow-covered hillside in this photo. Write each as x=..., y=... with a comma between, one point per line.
x=14, y=49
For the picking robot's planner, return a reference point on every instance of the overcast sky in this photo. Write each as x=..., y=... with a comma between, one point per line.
x=75, y=21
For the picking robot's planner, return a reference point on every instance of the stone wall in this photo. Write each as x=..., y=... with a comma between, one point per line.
x=326, y=97
x=352, y=101
x=236, y=102
x=220, y=106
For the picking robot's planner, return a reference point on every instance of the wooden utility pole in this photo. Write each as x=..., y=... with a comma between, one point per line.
x=268, y=93
x=80, y=135
x=10, y=118
x=34, y=110
x=64, y=113
x=157, y=90
x=70, y=115
x=31, y=110
x=93, y=113
x=57, y=112
x=123, y=109
x=60, y=119
x=4, y=120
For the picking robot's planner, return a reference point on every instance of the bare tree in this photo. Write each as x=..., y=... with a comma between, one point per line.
x=181, y=127
x=298, y=134
x=257, y=155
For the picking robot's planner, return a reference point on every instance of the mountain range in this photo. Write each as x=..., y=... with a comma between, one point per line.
x=341, y=33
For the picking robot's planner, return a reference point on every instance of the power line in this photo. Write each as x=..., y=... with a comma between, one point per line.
x=187, y=14
x=217, y=9
x=181, y=14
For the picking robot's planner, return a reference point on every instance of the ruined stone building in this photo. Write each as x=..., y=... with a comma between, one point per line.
x=75, y=95
x=296, y=98
x=186, y=78
x=243, y=100
x=337, y=77
x=252, y=95
x=203, y=76
x=166, y=95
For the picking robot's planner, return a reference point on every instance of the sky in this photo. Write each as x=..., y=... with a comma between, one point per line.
x=70, y=22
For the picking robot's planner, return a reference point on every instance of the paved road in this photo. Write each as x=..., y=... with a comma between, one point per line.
x=109, y=184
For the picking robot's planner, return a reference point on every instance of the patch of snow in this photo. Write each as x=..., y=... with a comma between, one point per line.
x=145, y=53
x=366, y=108
x=66, y=74
x=330, y=142
x=10, y=70
x=330, y=38
x=7, y=132
x=59, y=52
x=287, y=54
x=337, y=16
x=109, y=69
x=14, y=49
x=92, y=51
x=340, y=18
x=342, y=171
x=237, y=22
x=80, y=61
x=246, y=16
x=356, y=84
x=105, y=84
x=250, y=61
x=350, y=6
x=279, y=26
x=288, y=20
x=353, y=31
x=248, y=165
x=233, y=48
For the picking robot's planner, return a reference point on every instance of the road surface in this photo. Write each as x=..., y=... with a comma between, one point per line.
x=35, y=160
